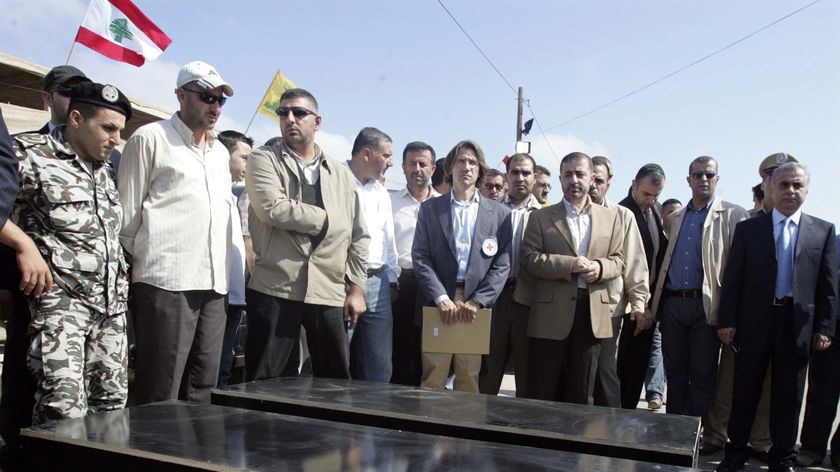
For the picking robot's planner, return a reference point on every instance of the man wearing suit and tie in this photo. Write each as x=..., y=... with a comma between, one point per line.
x=461, y=259
x=779, y=300
x=572, y=250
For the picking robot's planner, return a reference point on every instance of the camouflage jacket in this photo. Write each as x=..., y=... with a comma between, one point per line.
x=74, y=217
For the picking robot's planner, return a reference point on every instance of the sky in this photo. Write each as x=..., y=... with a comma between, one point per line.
x=407, y=69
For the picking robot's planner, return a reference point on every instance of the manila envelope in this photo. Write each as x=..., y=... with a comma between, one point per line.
x=456, y=338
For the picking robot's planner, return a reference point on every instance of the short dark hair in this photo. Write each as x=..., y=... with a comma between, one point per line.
x=299, y=93
x=652, y=171
x=415, y=146
x=491, y=172
x=369, y=137
x=603, y=161
x=701, y=160
x=576, y=157
x=542, y=170
x=87, y=110
x=521, y=156
x=450, y=160
x=757, y=192
x=230, y=138
x=437, y=176
x=671, y=201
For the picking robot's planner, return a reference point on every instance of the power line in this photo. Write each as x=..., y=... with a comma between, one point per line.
x=681, y=69
x=542, y=133
x=476, y=46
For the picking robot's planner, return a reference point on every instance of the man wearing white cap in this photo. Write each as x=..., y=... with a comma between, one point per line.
x=174, y=184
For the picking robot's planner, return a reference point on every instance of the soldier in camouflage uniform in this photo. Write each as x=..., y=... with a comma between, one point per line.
x=68, y=204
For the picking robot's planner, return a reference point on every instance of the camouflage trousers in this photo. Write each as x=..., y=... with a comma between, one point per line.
x=78, y=358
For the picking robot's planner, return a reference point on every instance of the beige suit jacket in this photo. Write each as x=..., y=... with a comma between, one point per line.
x=718, y=229
x=547, y=254
x=632, y=288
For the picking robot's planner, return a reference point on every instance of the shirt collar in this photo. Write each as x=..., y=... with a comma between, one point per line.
x=474, y=199
x=404, y=193
x=187, y=134
x=570, y=210
x=705, y=207
x=778, y=216
x=530, y=202
x=320, y=157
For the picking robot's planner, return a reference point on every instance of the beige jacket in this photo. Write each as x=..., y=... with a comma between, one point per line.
x=632, y=286
x=718, y=230
x=281, y=225
x=548, y=252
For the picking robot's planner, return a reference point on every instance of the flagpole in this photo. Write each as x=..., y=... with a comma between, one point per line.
x=73, y=46
x=70, y=53
x=259, y=105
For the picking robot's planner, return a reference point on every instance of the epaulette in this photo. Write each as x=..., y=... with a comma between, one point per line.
x=28, y=141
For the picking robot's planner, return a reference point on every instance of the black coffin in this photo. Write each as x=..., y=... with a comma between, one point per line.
x=628, y=434
x=179, y=436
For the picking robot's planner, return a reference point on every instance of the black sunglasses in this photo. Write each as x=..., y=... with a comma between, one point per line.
x=299, y=112
x=208, y=97
x=700, y=175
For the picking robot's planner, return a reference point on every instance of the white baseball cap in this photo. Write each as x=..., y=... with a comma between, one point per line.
x=204, y=75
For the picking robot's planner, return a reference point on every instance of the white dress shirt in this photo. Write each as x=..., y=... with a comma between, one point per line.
x=376, y=205
x=176, y=204
x=406, y=210
x=580, y=225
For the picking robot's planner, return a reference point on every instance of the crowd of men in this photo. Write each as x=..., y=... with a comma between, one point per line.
x=189, y=230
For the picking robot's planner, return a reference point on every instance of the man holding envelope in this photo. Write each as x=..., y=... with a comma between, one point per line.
x=461, y=261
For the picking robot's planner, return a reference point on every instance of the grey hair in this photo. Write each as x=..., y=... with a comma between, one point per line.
x=786, y=167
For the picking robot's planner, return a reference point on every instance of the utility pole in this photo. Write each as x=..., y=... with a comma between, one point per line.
x=519, y=103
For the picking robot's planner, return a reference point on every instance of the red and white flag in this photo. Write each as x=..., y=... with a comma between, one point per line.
x=119, y=30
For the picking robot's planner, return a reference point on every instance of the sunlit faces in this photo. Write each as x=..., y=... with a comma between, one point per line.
x=600, y=183
x=703, y=179
x=465, y=168
x=520, y=179
x=196, y=113
x=645, y=192
x=418, y=168
x=95, y=138
x=299, y=131
x=239, y=160
x=790, y=186
x=575, y=179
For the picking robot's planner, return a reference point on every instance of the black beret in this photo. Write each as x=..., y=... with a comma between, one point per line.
x=63, y=76
x=100, y=95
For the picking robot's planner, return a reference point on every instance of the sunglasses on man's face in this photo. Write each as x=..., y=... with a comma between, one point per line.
x=299, y=112
x=700, y=175
x=208, y=97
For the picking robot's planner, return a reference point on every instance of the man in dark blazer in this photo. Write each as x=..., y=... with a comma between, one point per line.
x=634, y=346
x=778, y=301
x=461, y=259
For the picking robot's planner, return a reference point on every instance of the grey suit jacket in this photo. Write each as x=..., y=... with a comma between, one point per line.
x=750, y=280
x=433, y=252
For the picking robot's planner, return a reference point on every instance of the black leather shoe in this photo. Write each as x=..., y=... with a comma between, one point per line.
x=707, y=449
x=761, y=456
x=782, y=468
x=727, y=465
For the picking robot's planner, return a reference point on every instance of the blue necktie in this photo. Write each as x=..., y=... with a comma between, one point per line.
x=784, y=258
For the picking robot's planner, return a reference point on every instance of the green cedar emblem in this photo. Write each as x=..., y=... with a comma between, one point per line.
x=119, y=28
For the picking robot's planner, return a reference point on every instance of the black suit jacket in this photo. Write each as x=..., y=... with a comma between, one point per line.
x=8, y=173
x=746, y=300
x=653, y=260
x=433, y=252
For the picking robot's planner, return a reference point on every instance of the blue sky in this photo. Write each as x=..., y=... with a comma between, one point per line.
x=407, y=69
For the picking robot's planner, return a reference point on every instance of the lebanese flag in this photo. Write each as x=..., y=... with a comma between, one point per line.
x=119, y=30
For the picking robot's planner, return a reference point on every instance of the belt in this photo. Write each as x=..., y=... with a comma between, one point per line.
x=372, y=272
x=784, y=301
x=689, y=294
x=459, y=284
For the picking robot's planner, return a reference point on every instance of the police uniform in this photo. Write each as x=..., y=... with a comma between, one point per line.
x=71, y=209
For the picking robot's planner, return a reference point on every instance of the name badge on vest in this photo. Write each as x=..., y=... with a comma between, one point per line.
x=490, y=246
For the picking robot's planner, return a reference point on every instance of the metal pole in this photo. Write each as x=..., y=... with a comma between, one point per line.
x=519, y=103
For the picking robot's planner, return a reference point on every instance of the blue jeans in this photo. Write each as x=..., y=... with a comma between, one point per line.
x=372, y=339
x=234, y=318
x=655, y=379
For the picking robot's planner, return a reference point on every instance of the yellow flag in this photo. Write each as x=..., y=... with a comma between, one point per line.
x=271, y=99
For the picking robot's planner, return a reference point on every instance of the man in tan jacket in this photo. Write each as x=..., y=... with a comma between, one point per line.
x=311, y=246
x=688, y=289
x=571, y=251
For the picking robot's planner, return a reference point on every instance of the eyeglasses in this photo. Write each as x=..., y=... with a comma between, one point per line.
x=496, y=187
x=700, y=175
x=299, y=112
x=208, y=97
